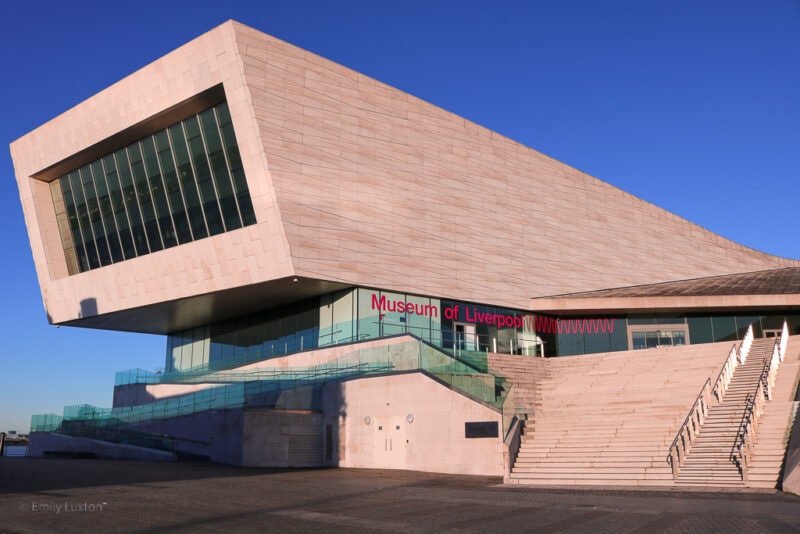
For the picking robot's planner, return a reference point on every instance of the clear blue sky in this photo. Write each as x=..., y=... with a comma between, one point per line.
x=691, y=105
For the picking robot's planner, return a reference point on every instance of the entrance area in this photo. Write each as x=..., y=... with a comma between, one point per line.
x=466, y=337
x=390, y=442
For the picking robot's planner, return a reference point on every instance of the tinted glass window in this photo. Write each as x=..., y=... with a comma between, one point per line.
x=178, y=185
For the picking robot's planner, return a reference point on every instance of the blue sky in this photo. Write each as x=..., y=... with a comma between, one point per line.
x=691, y=105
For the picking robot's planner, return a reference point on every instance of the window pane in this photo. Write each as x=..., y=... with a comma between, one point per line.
x=724, y=328
x=700, y=329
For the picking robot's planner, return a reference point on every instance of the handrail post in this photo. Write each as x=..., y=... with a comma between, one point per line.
x=673, y=460
x=784, y=339
x=744, y=347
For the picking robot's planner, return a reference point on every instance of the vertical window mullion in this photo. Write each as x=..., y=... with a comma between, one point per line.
x=95, y=215
x=106, y=211
x=158, y=192
x=144, y=198
x=85, y=222
x=188, y=181
x=74, y=223
x=224, y=148
x=172, y=187
x=234, y=160
x=205, y=184
x=220, y=172
x=116, y=196
x=131, y=199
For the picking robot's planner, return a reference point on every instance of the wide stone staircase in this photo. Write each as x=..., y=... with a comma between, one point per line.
x=523, y=378
x=711, y=456
x=710, y=461
x=609, y=418
x=774, y=427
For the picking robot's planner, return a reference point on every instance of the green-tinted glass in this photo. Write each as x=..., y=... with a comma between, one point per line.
x=177, y=185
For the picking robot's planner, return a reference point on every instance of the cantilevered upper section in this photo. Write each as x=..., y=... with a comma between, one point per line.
x=352, y=182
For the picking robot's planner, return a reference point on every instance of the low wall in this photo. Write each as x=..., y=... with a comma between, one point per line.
x=45, y=443
x=214, y=434
x=408, y=421
x=281, y=438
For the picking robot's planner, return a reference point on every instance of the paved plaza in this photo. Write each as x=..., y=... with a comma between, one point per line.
x=85, y=495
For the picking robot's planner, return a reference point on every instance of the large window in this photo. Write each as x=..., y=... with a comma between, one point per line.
x=180, y=184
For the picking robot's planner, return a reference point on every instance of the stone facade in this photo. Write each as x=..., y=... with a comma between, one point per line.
x=353, y=183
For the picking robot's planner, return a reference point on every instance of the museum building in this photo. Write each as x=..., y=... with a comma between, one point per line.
x=308, y=238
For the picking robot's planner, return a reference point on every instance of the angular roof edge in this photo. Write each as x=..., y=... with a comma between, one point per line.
x=774, y=288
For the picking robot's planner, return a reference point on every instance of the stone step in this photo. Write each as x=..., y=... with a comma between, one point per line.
x=612, y=471
x=590, y=480
x=611, y=456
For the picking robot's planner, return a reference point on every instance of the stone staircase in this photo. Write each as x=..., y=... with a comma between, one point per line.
x=607, y=418
x=610, y=418
x=709, y=462
x=524, y=376
x=775, y=424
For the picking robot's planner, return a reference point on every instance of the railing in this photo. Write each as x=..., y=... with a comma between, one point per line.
x=691, y=426
x=735, y=358
x=755, y=403
x=458, y=344
x=726, y=374
x=784, y=338
x=771, y=372
x=269, y=387
x=740, y=451
x=512, y=443
x=45, y=422
x=748, y=429
x=747, y=342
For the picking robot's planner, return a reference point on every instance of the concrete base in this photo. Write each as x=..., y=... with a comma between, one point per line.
x=47, y=443
x=409, y=421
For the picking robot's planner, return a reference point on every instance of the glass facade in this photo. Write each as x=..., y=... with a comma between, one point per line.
x=582, y=336
x=181, y=184
x=346, y=317
x=459, y=328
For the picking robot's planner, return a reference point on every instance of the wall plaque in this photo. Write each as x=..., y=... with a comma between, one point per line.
x=482, y=429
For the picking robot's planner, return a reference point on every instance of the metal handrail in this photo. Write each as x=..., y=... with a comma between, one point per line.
x=727, y=372
x=735, y=358
x=513, y=442
x=749, y=422
x=742, y=434
x=674, y=458
x=747, y=342
x=747, y=428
